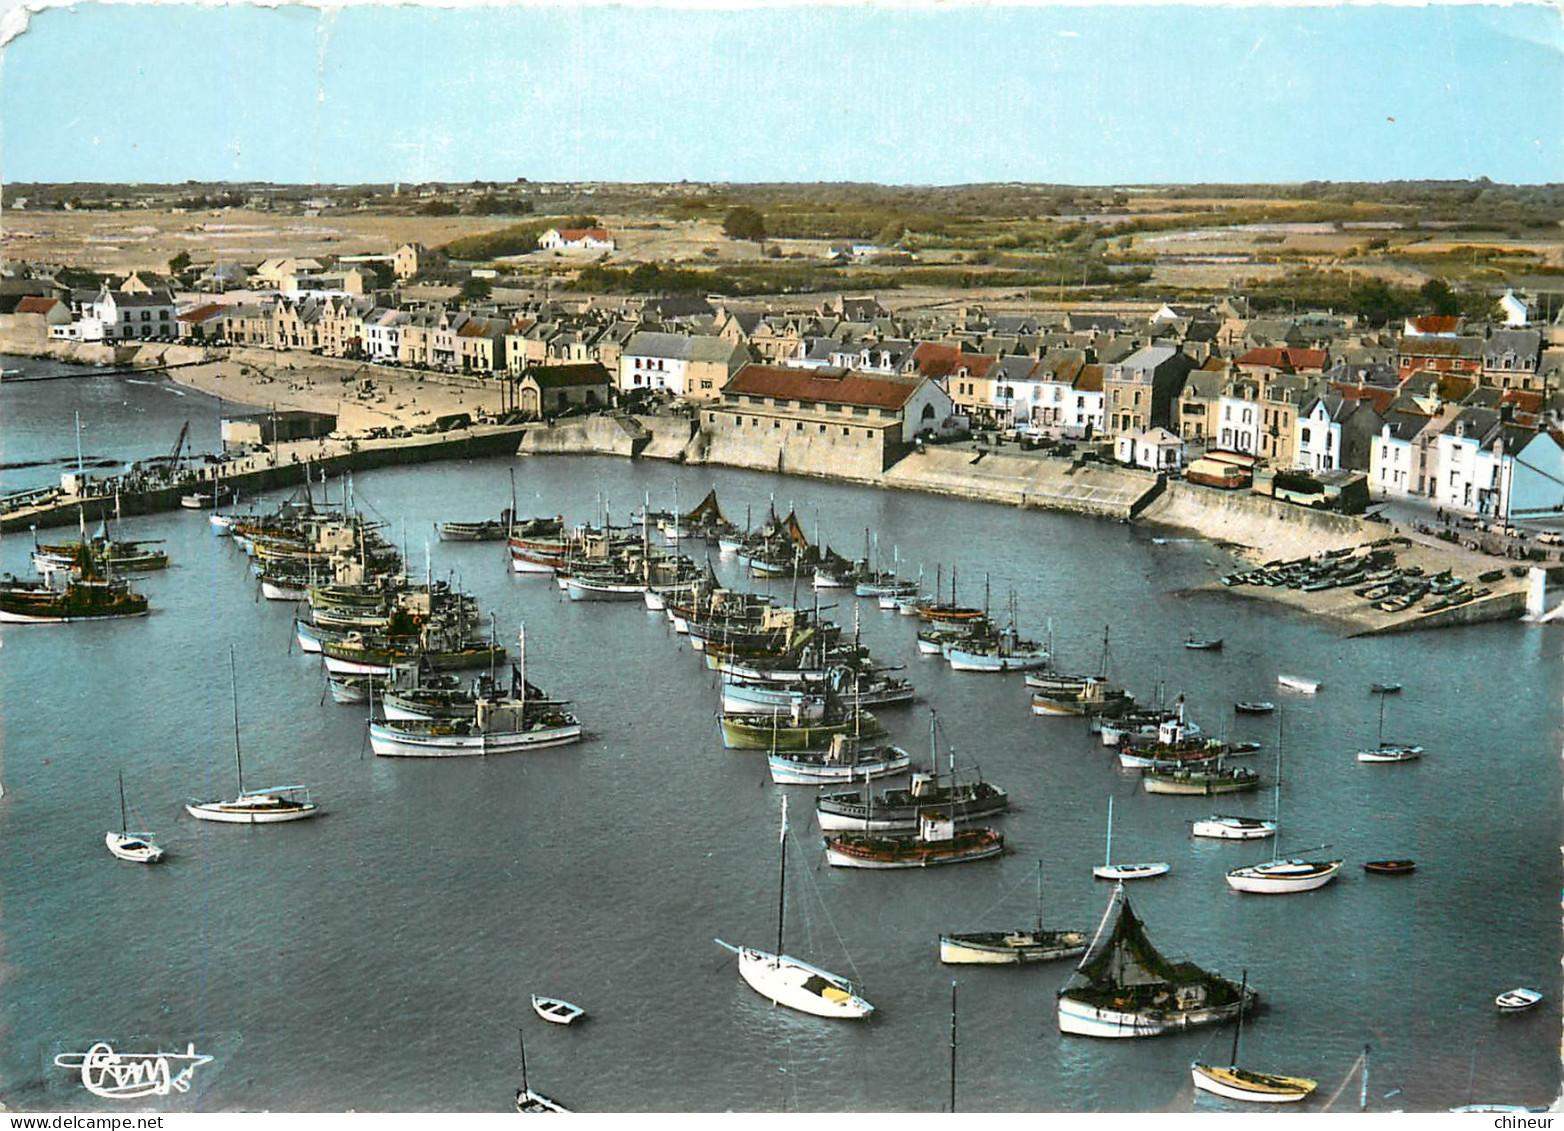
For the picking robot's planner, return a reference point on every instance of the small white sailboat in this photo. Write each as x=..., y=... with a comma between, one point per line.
x=529, y=1102
x=1298, y=683
x=789, y=981
x=1108, y=870
x=1236, y=1083
x=1281, y=877
x=253, y=806
x=1389, y=751
x=556, y=1010
x=138, y=848
x=1222, y=827
x=1516, y=1000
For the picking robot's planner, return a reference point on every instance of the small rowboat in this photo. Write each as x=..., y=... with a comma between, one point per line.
x=1390, y=867
x=557, y=1010
x=1254, y=708
x=1513, y=1001
x=1298, y=683
x=1203, y=645
x=1384, y=688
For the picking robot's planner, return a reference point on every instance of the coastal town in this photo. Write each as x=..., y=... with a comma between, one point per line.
x=1448, y=423
x=1161, y=474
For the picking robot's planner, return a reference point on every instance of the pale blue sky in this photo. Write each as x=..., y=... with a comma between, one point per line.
x=1078, y=95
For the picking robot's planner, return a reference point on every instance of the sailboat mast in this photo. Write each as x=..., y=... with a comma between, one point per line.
x=522, y=1036
x=1243, y=993
x=953, y=1046
x=233, y=679
x=782, y=876
x=1108, y=854
x=1276, y=802
x=521, y=659
x=1039, y=896
x=510, y=527
x=1363, y=1092
x=124, y=821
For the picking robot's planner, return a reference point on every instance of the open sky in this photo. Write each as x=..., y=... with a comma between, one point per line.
x=1080, y=95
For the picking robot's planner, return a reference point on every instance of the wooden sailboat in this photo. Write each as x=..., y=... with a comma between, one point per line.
x=253, y=806
x=1389, y=751
x=1012, y=948
x=138, y=848
x=529, y=1102
x=1279, y=877
x=1237, y=1083
x=789, y=981
x=1108, y=870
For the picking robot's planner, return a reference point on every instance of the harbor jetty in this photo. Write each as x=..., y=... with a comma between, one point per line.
x=282, y=465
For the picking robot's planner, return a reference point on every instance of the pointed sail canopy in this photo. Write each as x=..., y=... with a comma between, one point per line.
x=707, y=508
x=1124, y=957
x=795, y=531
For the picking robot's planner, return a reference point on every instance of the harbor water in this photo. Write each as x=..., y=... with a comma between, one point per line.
x=382, y=957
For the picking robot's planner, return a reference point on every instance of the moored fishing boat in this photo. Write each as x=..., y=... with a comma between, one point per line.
x=937, y=842
x=496, y=728
x=1003, y=651
x=81, y=598
x=761, y=731
x=846, y=760
x=743, y=697
x=1012, y=948
x=1124, y=987
x=1199, y=781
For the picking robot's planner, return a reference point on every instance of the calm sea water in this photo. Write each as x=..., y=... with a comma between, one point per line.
x=382, y=956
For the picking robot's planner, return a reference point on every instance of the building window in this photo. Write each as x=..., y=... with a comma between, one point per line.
x=847, y=431
x=739, y=420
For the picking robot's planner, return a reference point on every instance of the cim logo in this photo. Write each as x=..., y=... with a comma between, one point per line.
x=133, y=1075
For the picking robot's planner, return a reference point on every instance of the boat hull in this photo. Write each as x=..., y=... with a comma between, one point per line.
x=392, y=742
x=1251, y=1087
x=224, y=812
x=968, y=845
x=1020, y=948
x=1270, y=879
x=793, y=771
x=135, y=849
x=761, y=735
x=964, y=661
x=1227, y=828
x=787, y=981
x=1082, y=1019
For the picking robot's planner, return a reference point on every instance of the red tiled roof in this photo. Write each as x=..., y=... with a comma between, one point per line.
x=931, y=359
x=572, y=235
x=200, y=313
x=1285, y=358
x=1524, y=400
x=1379, y=398
x=822, y=386
x=1435, y=324
x=36, y=304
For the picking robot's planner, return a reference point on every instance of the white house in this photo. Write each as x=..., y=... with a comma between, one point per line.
x=1085, y=408
x=1394, y=463
x=1318, y=437
x=1515, y=312
x=1475, y=462
x=1155, y=449
x=121, y=316
x=576, y=239
x=383, y=335
x=1238, y=422
x=694, y=367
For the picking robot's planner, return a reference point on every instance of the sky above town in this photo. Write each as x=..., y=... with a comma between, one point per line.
x=907, y=95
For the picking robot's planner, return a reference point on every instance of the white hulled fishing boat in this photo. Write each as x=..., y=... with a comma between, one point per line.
x=1012, y=948
x=845, y=762
x=1124, y=987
